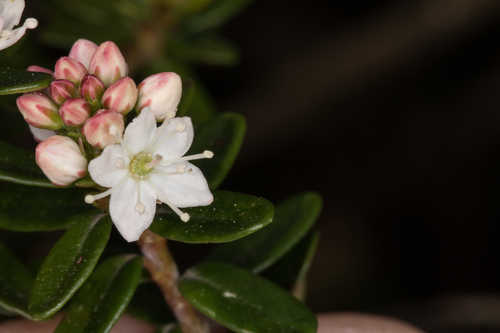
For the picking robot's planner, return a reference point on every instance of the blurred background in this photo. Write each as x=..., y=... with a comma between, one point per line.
x=390, y=109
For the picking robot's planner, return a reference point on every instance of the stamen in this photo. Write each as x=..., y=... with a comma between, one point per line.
x=205, y=154
x=183, y=216
x=156, y=160
x=90, y=199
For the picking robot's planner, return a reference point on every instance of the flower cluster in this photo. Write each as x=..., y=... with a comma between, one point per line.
x=10, y=16
x=81, y=115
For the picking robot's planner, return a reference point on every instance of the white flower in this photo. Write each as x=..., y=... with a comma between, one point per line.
x=149, y=165
x=10, y=16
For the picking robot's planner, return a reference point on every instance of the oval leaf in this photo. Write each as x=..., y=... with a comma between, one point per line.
x=244, y=302
x=25, y=208
x=229, y=217
x=293, y=218
x=68, y=265
x=16, y=81
x=224, y=136
x=15, y=283
x=103, y=298
x=18, y=166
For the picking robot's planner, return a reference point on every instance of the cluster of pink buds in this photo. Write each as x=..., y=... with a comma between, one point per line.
x=83, y=109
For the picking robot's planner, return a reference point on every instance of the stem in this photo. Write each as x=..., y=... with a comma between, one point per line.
x=161, y=265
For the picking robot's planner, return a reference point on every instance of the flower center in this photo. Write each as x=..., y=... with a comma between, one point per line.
x=142, y=164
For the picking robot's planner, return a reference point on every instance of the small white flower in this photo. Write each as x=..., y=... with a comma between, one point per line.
x=149, y=165
x=10, y=16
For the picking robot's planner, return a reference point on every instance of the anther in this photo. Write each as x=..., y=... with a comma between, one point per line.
x=89, y=198
x=208, y=154
x=185, y=217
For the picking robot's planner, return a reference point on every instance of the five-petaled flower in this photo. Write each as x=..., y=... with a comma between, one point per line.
x=149, y=165
x=10, y=16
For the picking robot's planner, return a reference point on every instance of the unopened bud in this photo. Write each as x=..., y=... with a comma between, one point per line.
x=75, y=111
x=104, y=128
x=40, y=111
x=121, y=96
x=70, y=69
x=83, y=50
x=92, y=89
x=38, y=69
x=40, y=134
x=161, y=93
x=61, y=90
x=108, y=64
x=61, y=160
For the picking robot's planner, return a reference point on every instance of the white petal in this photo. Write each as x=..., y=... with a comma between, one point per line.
x=41, y=134
x=109, y=168
x=10, y=37
x=140, y=132
x=173, y=138
x=11, y=12
x=189, y=189
x=132, y=208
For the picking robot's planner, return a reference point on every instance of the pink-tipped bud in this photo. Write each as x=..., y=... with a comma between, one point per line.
x=38, y=110
x=92, y=89
x=108, y=63
x=75, y=111
x=38, y=69
x=161, y=93
x=121, y=96
x=61, y=90
x=104, y=128
x=61, y=160
x=69, y=69
x=83, y=50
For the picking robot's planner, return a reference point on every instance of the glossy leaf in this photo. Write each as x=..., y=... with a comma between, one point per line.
x=148, y=305
x=15, y=283
x=18, y=166
x=223, y=135
x=16, y=81
x=68, y=265
x=103, y=298
x=290, y=272
x=219, y=12
x=293, y=218
x=25, y=208
x=244, y=302
x=229, y=217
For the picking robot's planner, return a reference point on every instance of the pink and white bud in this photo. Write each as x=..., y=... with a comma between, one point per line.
x=108, y=63
x=121, y=96
x=40, y=134
x=61, y=160
x=38, y=69
x=40, y=111
x=162, y=93
x=83, y=50
x=104, y=128
x=75, y=111
x=70, y=69
x=92, y=89
x=61, y=90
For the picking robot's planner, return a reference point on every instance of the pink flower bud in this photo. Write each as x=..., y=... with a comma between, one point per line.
x=61, y=90
x=40, y=134
x=92, y=89
x=104, y=128
x=75, y=111
x=61, y=160
x=108, y=63
x=83, y=50
x=38, y=69
x=38, y=110
x=121, y=96
x=161, y=93
x=69, y=69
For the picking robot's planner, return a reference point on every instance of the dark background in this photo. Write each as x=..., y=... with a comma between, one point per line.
x=390, y=110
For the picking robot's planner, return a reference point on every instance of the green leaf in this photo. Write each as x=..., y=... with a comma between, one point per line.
x=244, y=302
x=290, y=272
x=293, y=218
x=209, y=50
x=148, y=305
x=103, y=298
x=25, y=208
x=68, y=265
x=224, y=136
x=18, y=166
x=219, y=12
x=229, y=217
x=17, y=81
x=15, y=283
